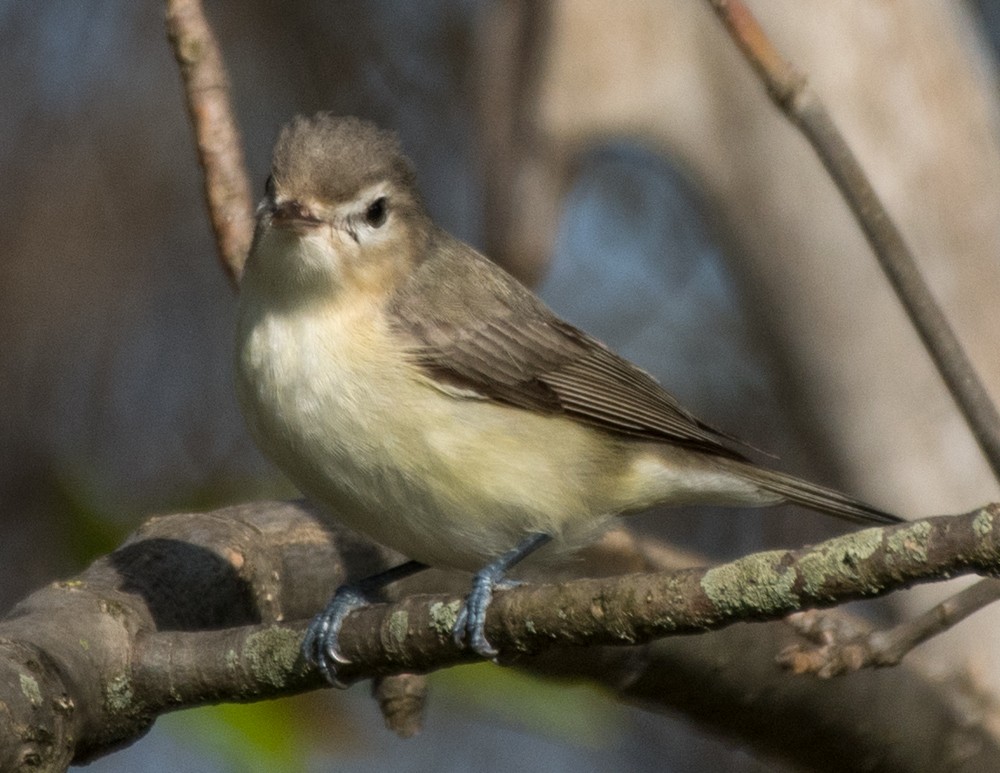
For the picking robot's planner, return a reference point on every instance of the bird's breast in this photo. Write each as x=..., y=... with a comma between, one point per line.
x=318, y=387
x=333, y=399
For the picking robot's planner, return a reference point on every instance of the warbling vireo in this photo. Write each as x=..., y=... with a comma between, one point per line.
x=437, y=405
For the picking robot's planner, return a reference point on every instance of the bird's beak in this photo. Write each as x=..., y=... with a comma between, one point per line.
x=294, y=215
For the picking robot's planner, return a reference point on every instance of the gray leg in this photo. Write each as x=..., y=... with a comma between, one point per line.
x=472, y=617
x=320, y=644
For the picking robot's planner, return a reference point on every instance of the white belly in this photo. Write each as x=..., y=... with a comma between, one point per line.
x=444, y=480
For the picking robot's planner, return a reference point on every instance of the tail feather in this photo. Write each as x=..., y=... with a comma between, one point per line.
x=815, y=497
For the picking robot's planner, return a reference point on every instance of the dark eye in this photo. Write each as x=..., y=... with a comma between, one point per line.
x=269, y=186
x=376, y=213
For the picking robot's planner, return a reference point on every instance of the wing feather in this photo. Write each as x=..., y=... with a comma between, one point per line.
x=472, y=326
x=492, y=338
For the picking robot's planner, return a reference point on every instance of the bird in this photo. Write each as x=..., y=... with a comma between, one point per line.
x=418, y=391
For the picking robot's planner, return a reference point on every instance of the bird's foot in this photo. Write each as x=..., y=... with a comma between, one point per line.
x=470, y=626
x=321, y=645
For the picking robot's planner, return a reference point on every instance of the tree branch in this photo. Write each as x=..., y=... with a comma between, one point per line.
x=789, y=89
x=220, y=150
x=194, y=608
x=415, y=634
x=843, y=645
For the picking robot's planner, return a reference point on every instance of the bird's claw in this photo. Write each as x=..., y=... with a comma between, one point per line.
x=321, y=645
x=470, y=625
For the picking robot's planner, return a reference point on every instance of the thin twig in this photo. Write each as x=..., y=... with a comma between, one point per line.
x=846, y=645
x=220, y=149
x=790, y=91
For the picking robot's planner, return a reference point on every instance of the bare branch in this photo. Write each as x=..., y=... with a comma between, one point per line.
x=790, y=91
x=220, y=150
x=847, y=645
x=414, y=634
x=193, y=609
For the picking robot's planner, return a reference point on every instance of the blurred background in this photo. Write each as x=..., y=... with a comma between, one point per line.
x=623, y=161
